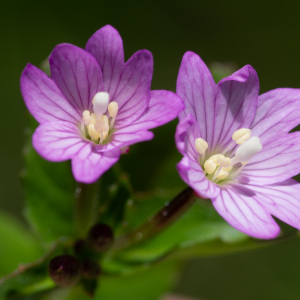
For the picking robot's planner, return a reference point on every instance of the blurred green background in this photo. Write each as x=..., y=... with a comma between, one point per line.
x=261, y=33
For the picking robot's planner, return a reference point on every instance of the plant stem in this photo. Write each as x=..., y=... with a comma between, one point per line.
x=85, y=208
x=166, y=216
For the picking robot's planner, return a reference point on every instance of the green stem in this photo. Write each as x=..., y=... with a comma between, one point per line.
x=165, y=217
x=85, y=208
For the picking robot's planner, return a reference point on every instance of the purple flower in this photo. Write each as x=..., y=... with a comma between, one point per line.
x=94, y=104
x=237, y=147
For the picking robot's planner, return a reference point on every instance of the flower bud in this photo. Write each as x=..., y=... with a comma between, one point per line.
x=100, y=237
x=65, y=270
x=90, y=269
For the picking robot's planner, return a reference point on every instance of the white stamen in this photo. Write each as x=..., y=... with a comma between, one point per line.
x=223, y=174
x=101, y=126
x=209, y=166
x=242, y=135
x=224, y=161
x=113, y=111
x=201, y=145
x=86, y=118
x=113, y=108
x=100, y=103
x=93, y=133
x=247, y=150
x=215, y=158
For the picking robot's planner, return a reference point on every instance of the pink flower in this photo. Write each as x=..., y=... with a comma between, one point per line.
x=92, y=132
x=237, y=147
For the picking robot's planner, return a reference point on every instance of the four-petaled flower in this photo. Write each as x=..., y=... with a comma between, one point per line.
x=237, y=147
x=94, y=104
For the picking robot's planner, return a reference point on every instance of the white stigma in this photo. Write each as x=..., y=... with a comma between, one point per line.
x=201, y=145
x=247, y=150
x=100, y=103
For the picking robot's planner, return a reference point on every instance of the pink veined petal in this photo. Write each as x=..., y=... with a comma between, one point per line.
x=277, y=113
x=282, y=200
x=186, y=132
x=197, y=88
x=106, y=46
x=192, y=174
x=276, y=162
x=242, y=209
x=44, y=99
x=125, y=137
x=133, y=91
x=77, y=74
x=89, y=165
x=235, y=105
x=163, y=107
x=58, y=141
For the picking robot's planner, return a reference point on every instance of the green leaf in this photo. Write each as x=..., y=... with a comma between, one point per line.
x=33, y=277
x=17, y=244
x=148, y=284
x=49, y=192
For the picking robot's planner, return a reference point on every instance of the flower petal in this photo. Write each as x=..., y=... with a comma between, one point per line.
x=186, y=132
x=192, y=174
x=133, y=91
x=106, y=46
x=125, y=137
x=88, y=165
x=277, y=113
x=58, y=141
x=77, y=74
x=44, y=99
x=242, y=209
x=235, y=105
x=282, y=200
x=197, y=88
x=163, y=107
x=276, y=162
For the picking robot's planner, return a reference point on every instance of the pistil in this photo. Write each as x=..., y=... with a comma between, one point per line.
x=219, y=166
x=98, y=124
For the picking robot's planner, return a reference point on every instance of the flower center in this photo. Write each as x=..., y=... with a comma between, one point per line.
x=218, y=167
x=96, y=126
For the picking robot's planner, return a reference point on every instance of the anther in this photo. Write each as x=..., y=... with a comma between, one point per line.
x=215, y=158
x=222, y=175
x=209, y=166
x=201, y=145
x=86, y=117
x=224, y=161
x=242, y=135
x=113, y=108
x=93, y=133
x=102, y=127
x=100, y=103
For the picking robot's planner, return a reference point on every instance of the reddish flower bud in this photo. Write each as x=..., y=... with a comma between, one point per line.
x=90, y=269
x=65, y=270
x=100, y=237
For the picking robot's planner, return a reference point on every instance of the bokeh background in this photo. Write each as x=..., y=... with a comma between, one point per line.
x=259, y=32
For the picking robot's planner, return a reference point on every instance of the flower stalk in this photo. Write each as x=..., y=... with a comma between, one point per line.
x=85, y=208
x=158, y=222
